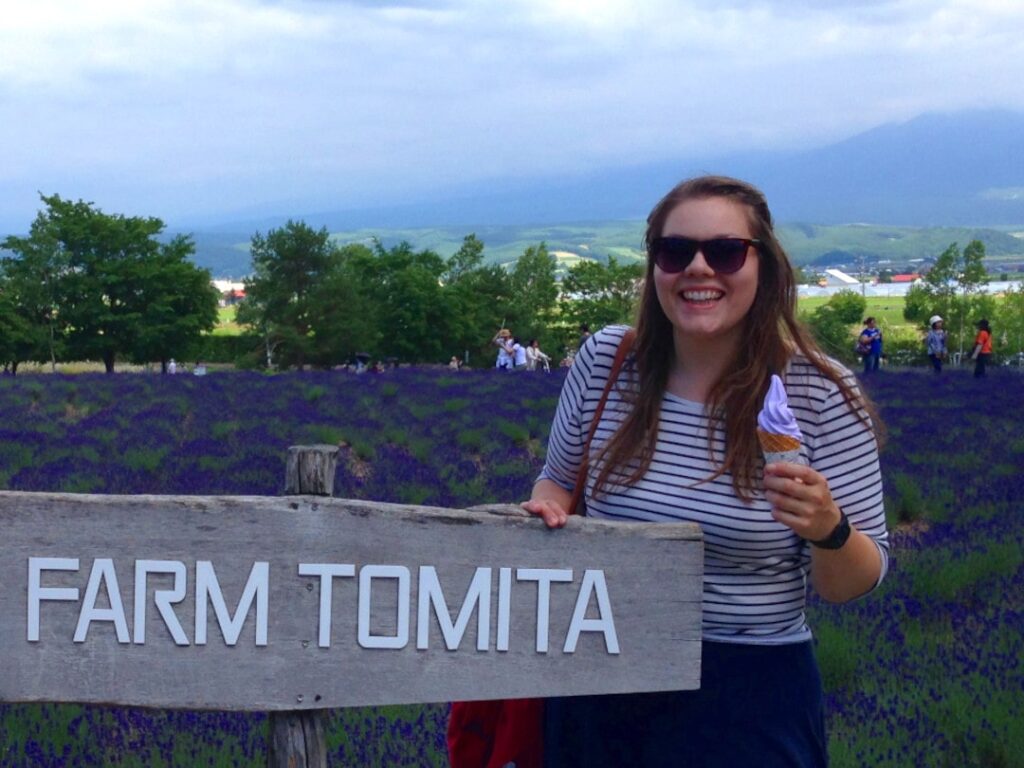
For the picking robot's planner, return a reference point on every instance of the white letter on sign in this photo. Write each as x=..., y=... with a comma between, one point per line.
x=366, y=576
x=479, y=594
x=36, y=593
x=593, y=581
x=163, y=598
x=543, y=577
x=102, y=571
x=326, y=572
x=208, y=588
x=504, y=608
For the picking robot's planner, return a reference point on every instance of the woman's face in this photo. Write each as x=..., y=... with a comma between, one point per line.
x=704, y=306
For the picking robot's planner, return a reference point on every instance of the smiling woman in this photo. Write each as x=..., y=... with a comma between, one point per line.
x=679, y=442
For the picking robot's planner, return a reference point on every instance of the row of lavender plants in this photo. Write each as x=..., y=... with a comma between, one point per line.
x=929, y=670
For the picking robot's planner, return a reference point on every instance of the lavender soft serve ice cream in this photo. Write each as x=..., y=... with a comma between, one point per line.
x=777, y=429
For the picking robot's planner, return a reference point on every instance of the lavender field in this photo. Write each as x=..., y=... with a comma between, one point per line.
x=927, y=671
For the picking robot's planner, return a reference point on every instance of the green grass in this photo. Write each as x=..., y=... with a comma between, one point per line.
x=952, y=578
x=226, y=325
x=887, y=310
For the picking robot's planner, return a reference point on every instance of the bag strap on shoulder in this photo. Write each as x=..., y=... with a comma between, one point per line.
x=576, y=503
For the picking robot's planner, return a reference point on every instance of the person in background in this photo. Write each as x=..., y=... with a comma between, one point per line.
x=506, y=355
x=454, y=363
x=200, y=369
x=935, y=342
x=871, y=338
x=678, y=442
x=518, y=355
x=535, y=359
x=982, y=349
x=172, y=366
x=584, y=335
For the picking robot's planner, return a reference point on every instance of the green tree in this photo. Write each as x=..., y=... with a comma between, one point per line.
x=602, y=294
x=31, y=292
x=832, y=332
x=534, y=293
x=849, y=306
x=479, y=301
x=972, y=277
x=15, y=331
x=343, y=318
x=1009, y=322
x=101, y=270
x=178, y=304
x=952, y=288
x=288, y=266
x=469, y=258
x=409, y=301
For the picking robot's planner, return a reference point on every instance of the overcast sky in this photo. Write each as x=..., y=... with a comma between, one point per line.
x=186, y=108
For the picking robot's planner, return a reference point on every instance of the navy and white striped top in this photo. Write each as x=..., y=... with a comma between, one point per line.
x=755, y=569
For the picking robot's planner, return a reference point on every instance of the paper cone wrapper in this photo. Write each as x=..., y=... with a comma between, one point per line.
x=779, y=447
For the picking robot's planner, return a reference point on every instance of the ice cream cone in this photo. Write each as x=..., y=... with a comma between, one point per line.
x=778, y=447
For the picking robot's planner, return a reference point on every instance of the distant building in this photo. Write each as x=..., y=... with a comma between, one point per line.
x=836, y=278
x=909, y=278
x=231, y=292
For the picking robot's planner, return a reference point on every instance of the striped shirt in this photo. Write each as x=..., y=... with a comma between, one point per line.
x=755, y=569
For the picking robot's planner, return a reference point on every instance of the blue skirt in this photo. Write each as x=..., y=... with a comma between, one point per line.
x=759, y=706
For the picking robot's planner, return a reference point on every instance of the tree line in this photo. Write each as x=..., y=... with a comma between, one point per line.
x=86, y=285
x=313, y=302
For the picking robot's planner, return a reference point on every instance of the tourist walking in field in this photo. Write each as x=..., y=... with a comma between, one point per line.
x=518, y=355
x=935, y=342
x=506, y=354
x=982, y=349
x=870, y=345
x=679, y=442
x=535, y=359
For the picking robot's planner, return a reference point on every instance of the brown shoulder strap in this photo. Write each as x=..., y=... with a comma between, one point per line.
x=576, y=505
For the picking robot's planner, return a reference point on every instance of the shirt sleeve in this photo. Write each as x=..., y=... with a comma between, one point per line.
x=576, y=405
x=845, y=451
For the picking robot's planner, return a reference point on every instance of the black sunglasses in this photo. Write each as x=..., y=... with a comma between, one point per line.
x=724, y=255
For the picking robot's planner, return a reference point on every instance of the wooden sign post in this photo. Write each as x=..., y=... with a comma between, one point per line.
x=297, y=739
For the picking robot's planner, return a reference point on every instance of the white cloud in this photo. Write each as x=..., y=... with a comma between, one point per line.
x=229, y=102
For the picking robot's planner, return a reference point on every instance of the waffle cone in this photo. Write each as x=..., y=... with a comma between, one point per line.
x=773, y=443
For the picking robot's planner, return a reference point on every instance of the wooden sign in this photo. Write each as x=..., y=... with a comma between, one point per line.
x=255, y=603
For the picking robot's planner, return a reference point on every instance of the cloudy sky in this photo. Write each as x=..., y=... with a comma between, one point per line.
x=186, y=109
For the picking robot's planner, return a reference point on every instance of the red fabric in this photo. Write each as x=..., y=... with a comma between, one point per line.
x=492, y=734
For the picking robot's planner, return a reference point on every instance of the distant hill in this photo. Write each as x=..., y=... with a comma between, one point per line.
x=808, y=244
x=956, y=169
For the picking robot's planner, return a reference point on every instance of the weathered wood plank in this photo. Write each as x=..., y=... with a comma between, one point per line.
x=652, y=573
x=310, y=469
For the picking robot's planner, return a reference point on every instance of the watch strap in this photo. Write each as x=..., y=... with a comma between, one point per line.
x=839, y=535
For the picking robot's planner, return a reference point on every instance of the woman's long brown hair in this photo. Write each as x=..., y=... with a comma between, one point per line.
x=771, y=336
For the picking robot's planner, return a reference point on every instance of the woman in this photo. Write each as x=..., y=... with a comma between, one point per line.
x=506, y=355
x=982, y=349
x=871, y=341
x=935, y=342
x=518, y=355
x=535, y=359
x=717, y=318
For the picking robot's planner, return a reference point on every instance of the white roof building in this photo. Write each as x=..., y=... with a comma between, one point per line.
x=836, y=277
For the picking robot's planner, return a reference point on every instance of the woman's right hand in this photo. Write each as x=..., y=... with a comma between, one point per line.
x=554, y=514
x=549, y=501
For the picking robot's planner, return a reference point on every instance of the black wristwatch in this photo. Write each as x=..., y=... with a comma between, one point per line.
x=839, y=535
